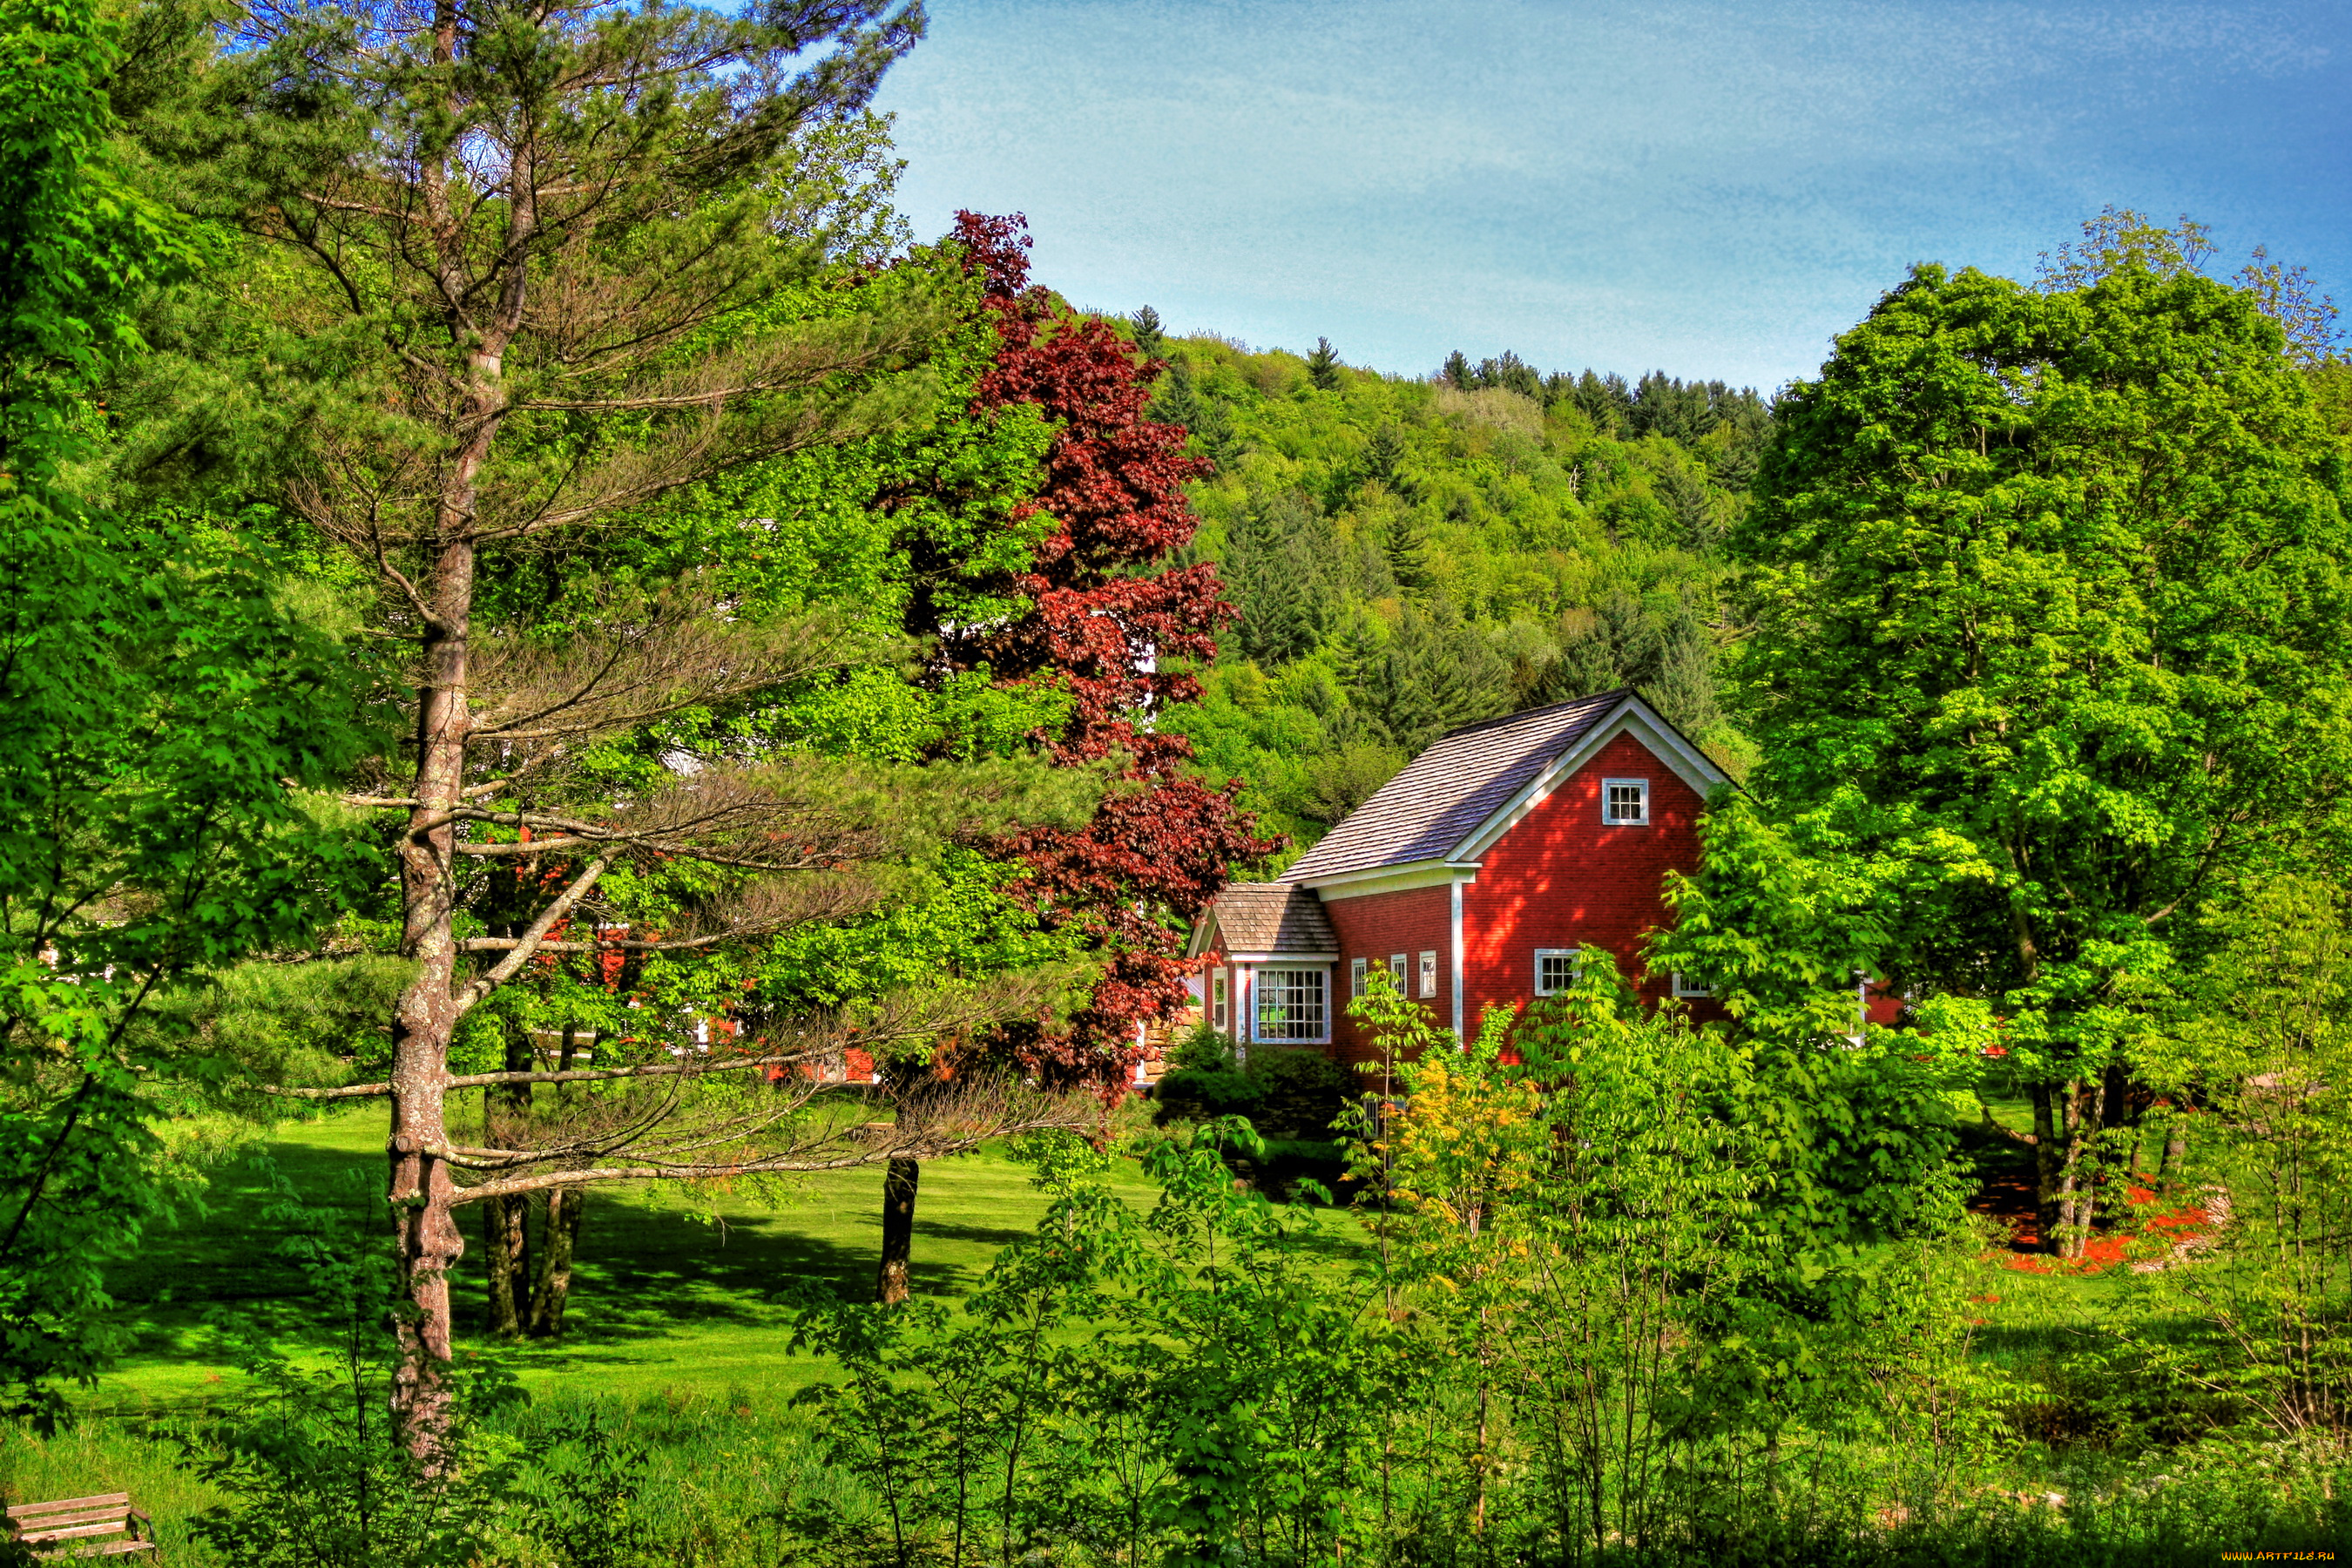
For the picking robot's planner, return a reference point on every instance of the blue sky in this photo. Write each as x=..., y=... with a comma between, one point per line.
x=1713, y=188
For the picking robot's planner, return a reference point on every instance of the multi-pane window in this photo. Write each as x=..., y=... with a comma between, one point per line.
x=1396, y=973
x=1555, y=969
x=1357, y=969
x=1220, y=1014
x=1429, y=974
x=1624, y=803
x=1685, y=986
x=1291, y=1006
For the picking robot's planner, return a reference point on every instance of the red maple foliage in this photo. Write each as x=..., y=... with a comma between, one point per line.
x=1102, y=622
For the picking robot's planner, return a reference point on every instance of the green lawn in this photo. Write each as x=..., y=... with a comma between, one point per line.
x=662, y=1298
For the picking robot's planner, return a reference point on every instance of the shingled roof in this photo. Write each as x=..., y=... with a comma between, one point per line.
x=1444, y=795
x=1268, y=917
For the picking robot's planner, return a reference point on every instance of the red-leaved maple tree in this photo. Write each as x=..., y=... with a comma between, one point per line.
x=1103, y=623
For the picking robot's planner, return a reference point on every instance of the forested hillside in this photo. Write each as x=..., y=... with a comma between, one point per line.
x=1409, y=555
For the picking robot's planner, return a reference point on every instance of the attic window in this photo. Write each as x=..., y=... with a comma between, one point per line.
x=1625, y=803
x=1555, y=968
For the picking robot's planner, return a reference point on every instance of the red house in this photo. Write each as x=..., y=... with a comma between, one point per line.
x=1477, y=876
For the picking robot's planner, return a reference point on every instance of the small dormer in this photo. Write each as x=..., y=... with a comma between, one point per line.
x=1269, y=949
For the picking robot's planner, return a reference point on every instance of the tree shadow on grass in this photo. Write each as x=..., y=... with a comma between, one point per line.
x=646, y=1272
x=986, y=1235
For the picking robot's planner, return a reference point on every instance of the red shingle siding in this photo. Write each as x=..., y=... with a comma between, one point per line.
x=1375, y=927
x=1560, y=879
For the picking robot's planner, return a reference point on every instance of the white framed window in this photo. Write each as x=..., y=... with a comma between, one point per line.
x=1357, y=970
x=1292, y=1007
x=1429, y=974
x=1556, y=968
x=1685, y=986
x=1624, y=803
x=1221, y=1007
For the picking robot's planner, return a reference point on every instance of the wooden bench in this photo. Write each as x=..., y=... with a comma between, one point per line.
x=77, y=1526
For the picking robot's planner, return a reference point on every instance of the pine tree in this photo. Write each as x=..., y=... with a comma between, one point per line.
x=1457, y=373
x=1150, y=336
x=1323, y=366
x=1406, y=546
x=1605, y=401
x=542, y=295
x=1384, y=455
x=1510, y=374
x=1274, y=569
x=1178, y=402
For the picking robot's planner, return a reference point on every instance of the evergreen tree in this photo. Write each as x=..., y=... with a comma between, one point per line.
x=1405, y=546
x=1384, y=456
x=1323, y=366
x=1510, y=372
x=1178, y=402
x=1275, y=570
x=535, y=303
x=1150, y=338
x=1605, y=401
x=1437, y=674
x=1663, y=406
x=1457, y=373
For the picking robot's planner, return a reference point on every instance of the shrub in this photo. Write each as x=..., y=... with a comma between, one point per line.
x=1194, y=1095
x=1303, y=1093
x=1202, y=1049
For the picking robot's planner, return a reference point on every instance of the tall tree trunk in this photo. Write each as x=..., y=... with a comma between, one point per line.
x=2176, y=1146
x=557, y=1238
x=2048, y=1159
x=421, y=1189
x=2086, y=1117
x=504, y=1249
x=898, y=1182
x=559, y=1232
x=506, y=1235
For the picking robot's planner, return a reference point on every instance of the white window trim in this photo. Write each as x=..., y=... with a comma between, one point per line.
x=1358, y=969
x=1641, y=821
x=1257, y=1007
x=1687, y=987
x=1221, y=995
x=1396, y=974
x=1428, y=974
x=1576, y=966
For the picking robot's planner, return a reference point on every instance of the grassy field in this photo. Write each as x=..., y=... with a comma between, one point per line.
x=670, y=1300
x=678, y=1326
x=664, y=1300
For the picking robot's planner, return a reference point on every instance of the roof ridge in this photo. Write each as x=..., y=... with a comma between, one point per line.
x=1617, y=691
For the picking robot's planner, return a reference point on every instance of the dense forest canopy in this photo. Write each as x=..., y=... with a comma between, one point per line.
x=1411, y=554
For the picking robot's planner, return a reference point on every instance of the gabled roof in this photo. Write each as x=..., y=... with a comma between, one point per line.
x=1268, y=917
x=1472, y=783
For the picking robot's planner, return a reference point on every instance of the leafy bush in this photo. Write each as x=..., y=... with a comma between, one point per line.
x=1202, y=1049
x=1192, y=1095
x=1303, y=1093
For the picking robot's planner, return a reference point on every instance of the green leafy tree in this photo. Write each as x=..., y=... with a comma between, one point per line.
x=2051, y=616
x=165, y=724
x=2251, y=1044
